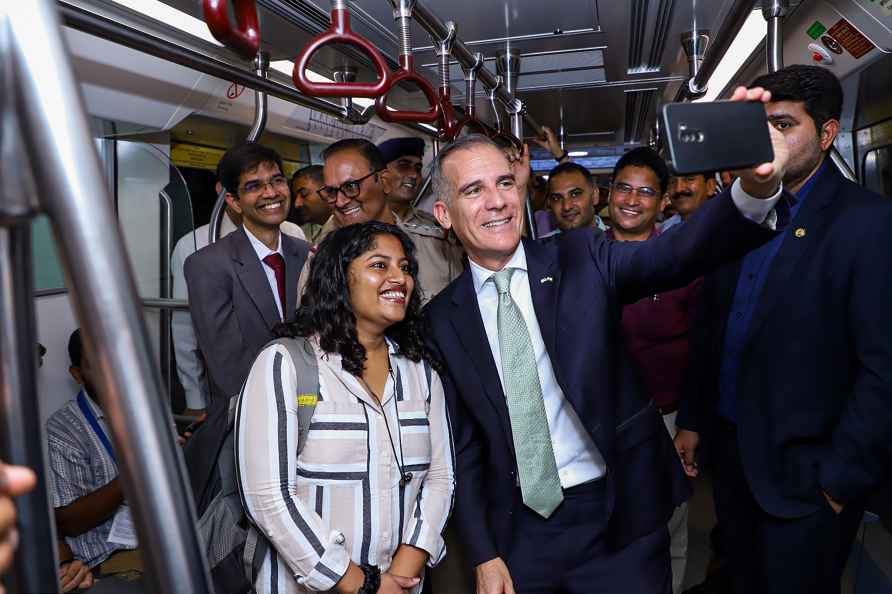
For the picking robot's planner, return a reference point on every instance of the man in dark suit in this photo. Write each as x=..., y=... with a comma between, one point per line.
x=241, y=287
x=794, y=398
x=565, y=475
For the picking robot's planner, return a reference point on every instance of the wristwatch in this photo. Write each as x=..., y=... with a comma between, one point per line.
x=372, y=579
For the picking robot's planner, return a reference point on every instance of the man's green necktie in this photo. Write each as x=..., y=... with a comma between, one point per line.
x=536, y=468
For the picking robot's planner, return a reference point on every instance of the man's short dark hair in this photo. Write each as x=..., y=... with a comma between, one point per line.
x=75, y=348
x=369, y=151
x=644, y=156
x=571, y=167
x=817, y=87
x=314, y=172
x=243, y=157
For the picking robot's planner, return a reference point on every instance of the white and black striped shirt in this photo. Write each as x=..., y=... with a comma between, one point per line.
x=340, y=499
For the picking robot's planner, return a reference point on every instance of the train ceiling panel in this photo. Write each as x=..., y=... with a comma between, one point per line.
x=579, y=57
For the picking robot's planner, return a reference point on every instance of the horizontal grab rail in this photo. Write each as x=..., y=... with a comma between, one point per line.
x=171, y=304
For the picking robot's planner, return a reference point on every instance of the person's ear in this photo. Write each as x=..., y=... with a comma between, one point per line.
x=386, y=180
x=76, y=375
x=828, y=133
x=441, y=213
x=233, y=203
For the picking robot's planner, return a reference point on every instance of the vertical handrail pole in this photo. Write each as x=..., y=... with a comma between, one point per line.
x=774, y=12
x=166, y=292
x=508, y=67
x=21, y=432
x=73, y=192
x=261, y=68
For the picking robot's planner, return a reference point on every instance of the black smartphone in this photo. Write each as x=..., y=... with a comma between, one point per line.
x=716, y=136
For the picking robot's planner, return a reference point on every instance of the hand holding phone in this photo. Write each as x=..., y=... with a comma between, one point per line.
x=728, y=136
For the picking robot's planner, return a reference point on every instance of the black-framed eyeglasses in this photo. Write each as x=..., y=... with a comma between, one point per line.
x=643, y=191
x=255, y=186
x=350, y=189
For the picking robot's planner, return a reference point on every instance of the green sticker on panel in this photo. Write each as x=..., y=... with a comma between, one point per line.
x=816, y=30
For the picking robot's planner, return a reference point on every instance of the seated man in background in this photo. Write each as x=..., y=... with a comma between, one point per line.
x=655, y=329
x=191, y=368
x=87, y=494
x=309, y=209
x=357, y=184
x=686, y=194
x=572, y=197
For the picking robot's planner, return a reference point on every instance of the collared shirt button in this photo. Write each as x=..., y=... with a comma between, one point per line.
x=339, y=539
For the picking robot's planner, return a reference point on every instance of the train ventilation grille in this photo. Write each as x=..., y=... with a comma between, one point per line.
x=647, y=34
x=639, y=104
x=548, y=70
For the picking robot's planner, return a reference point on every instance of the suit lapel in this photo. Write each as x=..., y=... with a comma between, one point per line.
x=293, y=265
x=468, y=325
x=253, y=278
x=803, y=232
x=544, y=277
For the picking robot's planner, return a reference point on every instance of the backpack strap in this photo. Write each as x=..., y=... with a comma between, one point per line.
x=307, y=374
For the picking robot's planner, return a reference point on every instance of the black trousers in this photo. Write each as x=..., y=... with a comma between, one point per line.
x=567, y=553
x=771, y=555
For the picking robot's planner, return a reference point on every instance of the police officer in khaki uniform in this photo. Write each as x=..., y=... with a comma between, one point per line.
x=358, y=183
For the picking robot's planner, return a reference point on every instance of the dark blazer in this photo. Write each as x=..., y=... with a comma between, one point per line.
x=232, y=305
x=579, y=314
x=234, y=313
x=814, y=405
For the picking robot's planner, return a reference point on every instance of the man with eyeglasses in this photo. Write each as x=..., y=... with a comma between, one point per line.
x=356, y=188
x=240, y=288
x=655, y=329
x=571, y=197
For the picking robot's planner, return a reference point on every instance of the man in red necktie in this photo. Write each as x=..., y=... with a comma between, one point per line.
x=241, y=287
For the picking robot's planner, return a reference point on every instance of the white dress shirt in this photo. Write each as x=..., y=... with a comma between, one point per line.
x=577, y=457
x=262, y=252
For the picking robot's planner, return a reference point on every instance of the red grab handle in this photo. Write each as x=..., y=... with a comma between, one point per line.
x=245, y=40
x=407, y=74
x=448, y=119
x=479, y=127
x=340, y=32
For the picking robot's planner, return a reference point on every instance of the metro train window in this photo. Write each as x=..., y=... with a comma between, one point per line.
x=878, y=171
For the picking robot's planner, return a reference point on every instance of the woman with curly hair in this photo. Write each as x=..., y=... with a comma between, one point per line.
x=362, y=506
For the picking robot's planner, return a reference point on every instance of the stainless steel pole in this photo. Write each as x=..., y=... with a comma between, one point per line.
x=71, y=187
x=261, y=69
x=774, y=12
x=166, y=292
x=439, y=30
x=719, y=44
x=22, y=439
x=508, y=65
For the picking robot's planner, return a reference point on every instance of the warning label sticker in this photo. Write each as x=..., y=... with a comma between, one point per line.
x=850, y=38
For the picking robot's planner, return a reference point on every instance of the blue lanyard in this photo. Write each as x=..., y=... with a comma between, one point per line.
x=94, y=423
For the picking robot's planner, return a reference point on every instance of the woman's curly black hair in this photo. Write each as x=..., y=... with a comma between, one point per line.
x=325, y=309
